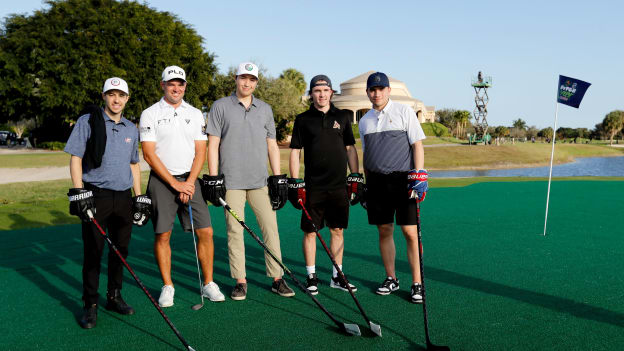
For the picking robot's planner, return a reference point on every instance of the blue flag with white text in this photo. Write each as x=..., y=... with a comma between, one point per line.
x=571, y=91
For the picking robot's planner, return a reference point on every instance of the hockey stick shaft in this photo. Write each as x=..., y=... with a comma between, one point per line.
x=430, y=346
x=333, y=260
x=136, y=278
x=341, y=325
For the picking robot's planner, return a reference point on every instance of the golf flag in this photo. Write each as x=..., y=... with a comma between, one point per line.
x=571, y=91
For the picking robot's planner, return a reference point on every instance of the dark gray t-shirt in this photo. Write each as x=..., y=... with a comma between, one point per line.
x=122, y=149
x=243, y=152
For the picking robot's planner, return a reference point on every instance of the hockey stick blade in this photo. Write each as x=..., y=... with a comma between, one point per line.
x=352, y=329
x=433, y=347
x=375, y=328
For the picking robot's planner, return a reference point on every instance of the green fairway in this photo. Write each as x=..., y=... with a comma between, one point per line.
x=493, y=281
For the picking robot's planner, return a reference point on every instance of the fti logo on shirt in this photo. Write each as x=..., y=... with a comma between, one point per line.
x=336, y=125
x=128, y=140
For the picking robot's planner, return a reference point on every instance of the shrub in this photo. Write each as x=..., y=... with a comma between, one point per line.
x=52, y=145
x=435, y=129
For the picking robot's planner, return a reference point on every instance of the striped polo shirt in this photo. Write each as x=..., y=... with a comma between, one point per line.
x=387, y=137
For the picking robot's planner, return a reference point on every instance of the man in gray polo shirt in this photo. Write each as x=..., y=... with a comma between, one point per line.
x=241, y=133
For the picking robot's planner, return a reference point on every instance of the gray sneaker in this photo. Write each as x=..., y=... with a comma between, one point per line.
x=239, y=292
x=282, y=289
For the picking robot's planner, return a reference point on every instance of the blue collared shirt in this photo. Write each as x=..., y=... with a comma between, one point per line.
x=122, y=142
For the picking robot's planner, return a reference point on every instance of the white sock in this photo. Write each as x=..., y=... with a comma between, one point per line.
x=311, y=269
x=335, y=272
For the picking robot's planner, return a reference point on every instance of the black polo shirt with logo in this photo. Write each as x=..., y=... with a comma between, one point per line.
x=323, y=136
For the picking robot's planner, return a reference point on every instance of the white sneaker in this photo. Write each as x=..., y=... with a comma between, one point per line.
x=211, y=291
x=166, y=296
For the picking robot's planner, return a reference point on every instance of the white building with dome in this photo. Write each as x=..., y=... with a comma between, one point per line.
x=353, y=97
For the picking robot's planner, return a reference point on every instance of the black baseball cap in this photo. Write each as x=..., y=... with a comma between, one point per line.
x=377, y=79
x=315, y=82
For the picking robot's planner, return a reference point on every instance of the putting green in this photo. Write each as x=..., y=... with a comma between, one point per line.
x=493, y=281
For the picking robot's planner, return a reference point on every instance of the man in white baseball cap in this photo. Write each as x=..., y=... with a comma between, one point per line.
x=104, y=166
x=174, y=145
x=115, y=84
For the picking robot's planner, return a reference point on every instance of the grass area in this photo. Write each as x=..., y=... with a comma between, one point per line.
x=44, y=159
x=508, y=156
x=41, y=204
x=436, y=158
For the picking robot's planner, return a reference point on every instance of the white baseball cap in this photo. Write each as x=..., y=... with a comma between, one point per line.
x=247, y=68
x=173, y=72
x=115, y=83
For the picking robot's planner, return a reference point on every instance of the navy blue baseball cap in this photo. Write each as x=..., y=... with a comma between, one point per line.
x=377, y=79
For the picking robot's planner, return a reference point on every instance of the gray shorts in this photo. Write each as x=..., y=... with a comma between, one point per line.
x=165, y=204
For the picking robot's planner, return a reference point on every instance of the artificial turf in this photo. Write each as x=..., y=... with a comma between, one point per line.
x=493, y=281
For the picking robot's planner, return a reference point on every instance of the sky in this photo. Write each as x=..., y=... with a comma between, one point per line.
x=434, y=47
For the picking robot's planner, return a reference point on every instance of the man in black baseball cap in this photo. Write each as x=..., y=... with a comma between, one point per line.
x=325, y=133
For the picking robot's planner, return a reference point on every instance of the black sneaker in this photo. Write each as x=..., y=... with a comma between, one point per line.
x=339, y=283
x=239, y=292
x=417, y=293
x=312, y=283
x=388, y=286
x=89, y=318
x=282, y=289
x=114, y=302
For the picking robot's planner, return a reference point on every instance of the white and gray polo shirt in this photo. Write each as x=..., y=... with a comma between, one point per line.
x=387, y=137
x=174, y=130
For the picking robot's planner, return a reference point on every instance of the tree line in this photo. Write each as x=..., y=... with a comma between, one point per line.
x=54, y=62
x=459, y=124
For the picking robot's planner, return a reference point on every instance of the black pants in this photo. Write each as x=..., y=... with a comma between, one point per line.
x=114, y=214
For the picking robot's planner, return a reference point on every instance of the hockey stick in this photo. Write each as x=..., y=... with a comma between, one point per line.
x=374, y=327
x=352, y=329
x=201, y=293
x=430, y=346
x=114, y=248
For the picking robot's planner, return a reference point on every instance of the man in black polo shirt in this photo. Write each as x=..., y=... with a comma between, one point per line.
x=325, y=133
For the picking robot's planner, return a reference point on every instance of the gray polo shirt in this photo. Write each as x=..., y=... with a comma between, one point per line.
x=122, y=142
x=243, y=152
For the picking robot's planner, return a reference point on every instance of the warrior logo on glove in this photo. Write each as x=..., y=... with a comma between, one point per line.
x=417, y=185
x=296, y=192
x=141, y=209
x=81, y=203
x=355, y=187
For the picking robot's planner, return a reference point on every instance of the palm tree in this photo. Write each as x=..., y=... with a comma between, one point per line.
x=520, y=124
x=613, y=123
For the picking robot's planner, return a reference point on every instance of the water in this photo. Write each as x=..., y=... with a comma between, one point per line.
x=587, y=166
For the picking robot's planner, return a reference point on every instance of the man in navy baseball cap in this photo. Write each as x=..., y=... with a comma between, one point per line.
x=377, y=79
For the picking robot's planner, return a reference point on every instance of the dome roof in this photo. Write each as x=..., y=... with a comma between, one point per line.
x=357, y=86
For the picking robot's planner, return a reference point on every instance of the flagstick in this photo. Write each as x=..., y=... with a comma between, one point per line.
x=552, y=154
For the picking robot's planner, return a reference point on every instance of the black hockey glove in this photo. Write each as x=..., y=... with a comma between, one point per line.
x=278, y=191
x=363, y=197
x=141, y=209
x=355, y=187
x=81, y=201
x=296, y=192
x=213, y=188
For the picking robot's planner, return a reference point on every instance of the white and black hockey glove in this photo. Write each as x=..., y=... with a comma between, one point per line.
x=141, y=210
x=81, y=201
